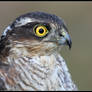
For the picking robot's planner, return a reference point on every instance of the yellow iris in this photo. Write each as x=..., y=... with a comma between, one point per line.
x=41, y=31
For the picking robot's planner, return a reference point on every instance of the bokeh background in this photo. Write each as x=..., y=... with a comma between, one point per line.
x=78, y=17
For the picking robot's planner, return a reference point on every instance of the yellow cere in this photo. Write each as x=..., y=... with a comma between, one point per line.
x=41, y=31
x=63, y=32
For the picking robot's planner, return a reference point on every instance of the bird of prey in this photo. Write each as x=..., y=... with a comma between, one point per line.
x=29, y=54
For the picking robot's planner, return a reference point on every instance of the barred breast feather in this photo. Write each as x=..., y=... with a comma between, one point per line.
x=41, y=73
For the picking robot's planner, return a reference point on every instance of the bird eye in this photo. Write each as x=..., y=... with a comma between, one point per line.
x=41, y=31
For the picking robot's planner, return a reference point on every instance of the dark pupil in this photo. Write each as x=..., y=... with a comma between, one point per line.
x=41, y=30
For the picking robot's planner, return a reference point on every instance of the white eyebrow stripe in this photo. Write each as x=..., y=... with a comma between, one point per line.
x=5, y=31
x=23, y=21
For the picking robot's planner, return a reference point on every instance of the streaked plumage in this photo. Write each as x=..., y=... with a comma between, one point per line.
x=31, y=61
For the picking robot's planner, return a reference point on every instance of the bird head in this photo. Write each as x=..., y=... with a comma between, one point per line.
x=38, y=32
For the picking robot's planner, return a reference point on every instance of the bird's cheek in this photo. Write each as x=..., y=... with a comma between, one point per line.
x=65, y=40
x=61, y=41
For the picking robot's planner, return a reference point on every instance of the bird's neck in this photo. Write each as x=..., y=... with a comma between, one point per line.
x=21, y=49
x=37, y=72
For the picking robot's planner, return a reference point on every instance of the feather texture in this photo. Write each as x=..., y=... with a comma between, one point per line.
x=38, y=73
x=29, y=62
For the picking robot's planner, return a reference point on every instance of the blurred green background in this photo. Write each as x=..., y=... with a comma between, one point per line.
x=78, y=17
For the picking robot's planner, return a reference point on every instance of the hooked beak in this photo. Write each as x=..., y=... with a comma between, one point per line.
x=68, y=41
x=62, y=39
x=65, y=40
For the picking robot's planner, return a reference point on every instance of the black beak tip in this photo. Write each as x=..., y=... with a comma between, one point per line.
x=69, y=43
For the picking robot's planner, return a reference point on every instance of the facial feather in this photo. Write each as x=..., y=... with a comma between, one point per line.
x=19, y=37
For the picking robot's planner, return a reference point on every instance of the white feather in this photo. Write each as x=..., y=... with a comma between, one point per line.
x=23, y=21
x=5, y=31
